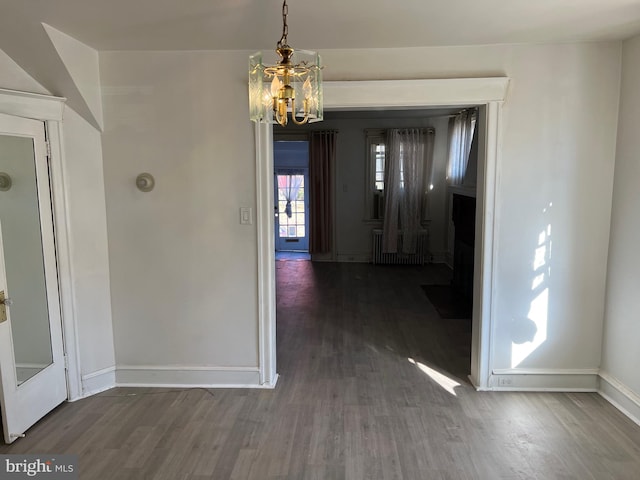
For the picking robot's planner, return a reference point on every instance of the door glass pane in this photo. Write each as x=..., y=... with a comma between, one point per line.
x=291, y=206
x=24, y=260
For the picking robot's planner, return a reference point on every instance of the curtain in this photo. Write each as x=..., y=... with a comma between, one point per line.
x=322, y=155
x=408, y=162
x=289, y=185
x=461, y=129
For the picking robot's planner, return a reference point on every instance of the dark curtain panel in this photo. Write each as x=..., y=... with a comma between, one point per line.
x=322, y=154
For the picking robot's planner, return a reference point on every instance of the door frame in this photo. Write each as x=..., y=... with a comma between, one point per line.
x=397, y=94
x=49, y=110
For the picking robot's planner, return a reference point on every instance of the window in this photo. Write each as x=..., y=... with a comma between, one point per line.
x=461, y=130
x=376, y=158
x=379, y=166
x=374, y=193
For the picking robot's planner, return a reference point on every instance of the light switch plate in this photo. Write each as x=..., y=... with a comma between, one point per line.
x=246, y=216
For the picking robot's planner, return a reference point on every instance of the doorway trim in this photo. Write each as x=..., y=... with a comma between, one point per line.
x=396, y=94
x=49, y=110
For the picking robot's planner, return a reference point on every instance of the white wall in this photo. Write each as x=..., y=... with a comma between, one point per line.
x=621, y=355
x=183, y=271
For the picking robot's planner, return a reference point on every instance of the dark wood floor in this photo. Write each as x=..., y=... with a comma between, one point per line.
x=373, y=386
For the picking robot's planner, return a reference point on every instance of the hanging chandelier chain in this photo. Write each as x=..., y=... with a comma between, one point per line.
x=285, y=26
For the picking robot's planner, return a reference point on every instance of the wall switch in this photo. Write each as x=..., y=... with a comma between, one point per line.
x=246, y=216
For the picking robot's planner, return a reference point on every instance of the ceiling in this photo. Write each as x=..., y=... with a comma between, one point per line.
x=326, y=24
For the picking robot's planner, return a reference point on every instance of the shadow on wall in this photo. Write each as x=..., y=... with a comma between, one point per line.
x=529, y=330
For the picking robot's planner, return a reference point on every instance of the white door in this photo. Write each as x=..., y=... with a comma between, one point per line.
x=32, y=371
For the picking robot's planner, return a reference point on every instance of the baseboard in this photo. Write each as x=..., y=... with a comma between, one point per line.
x=544, y=380
x=322, y=257
x=173, y=376
x=440, y=257
x=354, y=257
x=620, y=396
x=448, y=259
x=98, y=381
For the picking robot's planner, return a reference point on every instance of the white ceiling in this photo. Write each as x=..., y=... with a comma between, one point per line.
x=326, y=24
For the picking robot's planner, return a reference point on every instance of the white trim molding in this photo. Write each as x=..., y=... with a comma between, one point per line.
x=189, y=376
x=98, y=381
x=441, y=257
x=544, y=380
x=31, y=105
x=414, y=93
x=354, y=257
x=266, y=255
x=50, y=110
x=362, y=95
x=64, y=241
x=620, y=396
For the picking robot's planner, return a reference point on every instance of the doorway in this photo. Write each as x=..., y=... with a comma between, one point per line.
x=32, y=367
x=291, y=200
x=489, y=93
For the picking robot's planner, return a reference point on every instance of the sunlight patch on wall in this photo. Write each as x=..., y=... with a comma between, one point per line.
x=538, y=314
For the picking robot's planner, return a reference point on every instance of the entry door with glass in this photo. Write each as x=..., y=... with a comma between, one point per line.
x=292, y=210
x=32, y=370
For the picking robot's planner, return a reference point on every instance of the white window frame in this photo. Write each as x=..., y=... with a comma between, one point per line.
x=373, y=136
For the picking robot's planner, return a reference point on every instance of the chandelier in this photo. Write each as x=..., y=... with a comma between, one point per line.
x=290, y=87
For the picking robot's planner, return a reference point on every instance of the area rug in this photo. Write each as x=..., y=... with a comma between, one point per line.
x=447, y=302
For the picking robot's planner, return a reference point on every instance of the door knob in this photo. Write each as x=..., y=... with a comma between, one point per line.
x=4, y=303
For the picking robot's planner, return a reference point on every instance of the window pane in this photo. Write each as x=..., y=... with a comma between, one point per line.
x=379, y=167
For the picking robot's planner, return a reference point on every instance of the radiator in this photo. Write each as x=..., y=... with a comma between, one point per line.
x=419, y=258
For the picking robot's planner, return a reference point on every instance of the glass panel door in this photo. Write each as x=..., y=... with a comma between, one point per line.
x=24, y=259
x=292, y=216
x=32, y=374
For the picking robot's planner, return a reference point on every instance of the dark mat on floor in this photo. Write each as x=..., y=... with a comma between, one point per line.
x=447, y=302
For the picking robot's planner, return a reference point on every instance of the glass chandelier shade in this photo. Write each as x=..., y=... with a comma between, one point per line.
x=292, y=87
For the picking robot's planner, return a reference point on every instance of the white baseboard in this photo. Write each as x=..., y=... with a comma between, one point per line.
x=354, y=257
x=544, y=380
x=448, y=259
x=620, y=396
x=322, y=257
x=178, y=376
x=440, y=257
x=98, y=381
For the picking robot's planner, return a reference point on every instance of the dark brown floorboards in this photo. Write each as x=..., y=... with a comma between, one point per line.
x=373, y=386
